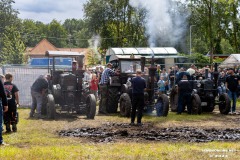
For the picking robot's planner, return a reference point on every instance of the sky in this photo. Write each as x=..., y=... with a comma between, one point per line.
x=47, y=10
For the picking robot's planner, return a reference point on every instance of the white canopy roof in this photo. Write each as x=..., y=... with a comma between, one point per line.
x=142, y=51
x=232, y=61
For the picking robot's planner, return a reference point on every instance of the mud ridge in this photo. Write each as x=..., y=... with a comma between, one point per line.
x=112, y=132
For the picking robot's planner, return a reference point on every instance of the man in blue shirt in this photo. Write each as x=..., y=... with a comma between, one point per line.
x=103, y=86
x=138, y=86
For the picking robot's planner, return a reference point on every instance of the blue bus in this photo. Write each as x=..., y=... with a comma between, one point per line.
x=44, y=62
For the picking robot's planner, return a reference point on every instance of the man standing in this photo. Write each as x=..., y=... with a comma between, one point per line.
x=3, y=108
x=138, y=86
x=103, y=86
x=10, y=117
x=38, y=90
x=232, y=82
x=184, y=93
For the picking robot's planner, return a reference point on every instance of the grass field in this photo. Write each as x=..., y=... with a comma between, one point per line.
x=39, y=139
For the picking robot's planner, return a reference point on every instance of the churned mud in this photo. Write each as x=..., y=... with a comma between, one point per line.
x=115, y=132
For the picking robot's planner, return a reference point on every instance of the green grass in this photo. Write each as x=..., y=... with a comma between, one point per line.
x=38, y=139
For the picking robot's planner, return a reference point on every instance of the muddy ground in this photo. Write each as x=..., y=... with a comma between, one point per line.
x=217, y=128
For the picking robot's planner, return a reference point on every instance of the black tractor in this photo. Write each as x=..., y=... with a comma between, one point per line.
x=204, y=96
x=120, y=91
x=67, y=89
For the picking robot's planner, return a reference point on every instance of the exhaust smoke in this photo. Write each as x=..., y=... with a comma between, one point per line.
x=165, y=23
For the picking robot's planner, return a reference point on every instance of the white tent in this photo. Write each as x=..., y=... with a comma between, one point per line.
x=232, y=61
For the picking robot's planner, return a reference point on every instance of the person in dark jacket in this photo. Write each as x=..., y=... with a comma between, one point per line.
x=10, y=117
x=38, y=90
x=3, y=108
x=184, y=93
x=138, y=87
x=232, y=83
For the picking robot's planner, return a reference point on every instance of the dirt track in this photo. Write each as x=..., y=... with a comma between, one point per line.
x=114, y=132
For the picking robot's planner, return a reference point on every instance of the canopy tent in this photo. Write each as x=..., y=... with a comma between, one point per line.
x=232, y=61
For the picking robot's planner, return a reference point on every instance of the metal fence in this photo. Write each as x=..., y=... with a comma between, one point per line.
x=23, y=78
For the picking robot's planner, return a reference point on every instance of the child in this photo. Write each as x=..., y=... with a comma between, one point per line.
x=10, y=117
x=94, y=85
x=161, y=85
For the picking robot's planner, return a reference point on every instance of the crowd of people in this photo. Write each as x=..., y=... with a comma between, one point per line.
x=98, y=79
x=228, y=81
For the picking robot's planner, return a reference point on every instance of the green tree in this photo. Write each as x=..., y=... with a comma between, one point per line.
x=13, y=46
x=57, y=34
x=33, y=32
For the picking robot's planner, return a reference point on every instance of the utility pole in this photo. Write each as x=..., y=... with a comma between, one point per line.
x=190, y=46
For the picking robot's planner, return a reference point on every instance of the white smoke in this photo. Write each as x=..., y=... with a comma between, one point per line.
x=161, y=24
x=94, y=43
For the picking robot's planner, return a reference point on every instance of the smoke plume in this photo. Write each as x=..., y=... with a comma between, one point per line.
x=94, y=43
x=165, y=26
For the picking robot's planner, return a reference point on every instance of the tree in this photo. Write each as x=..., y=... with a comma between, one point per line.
x=8, y=17
x=57, y=34
x=13, y=46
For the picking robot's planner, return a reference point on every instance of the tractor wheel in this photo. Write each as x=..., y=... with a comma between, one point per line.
x=165, y=104
x=224, y=103
x=196, y=104
x=125, y=105
x=112, y=102
x=51, y=110
x=174, y=100
x=91, y=106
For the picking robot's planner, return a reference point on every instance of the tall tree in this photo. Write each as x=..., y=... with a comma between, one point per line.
x=57, y=34
x=8, y=17
x=13, y=46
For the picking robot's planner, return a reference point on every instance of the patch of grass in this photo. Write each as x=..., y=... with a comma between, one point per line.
x=38, y=139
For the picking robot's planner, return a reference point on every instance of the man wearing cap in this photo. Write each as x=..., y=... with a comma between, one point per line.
x=103, y=86
x=232, y=83
x=138, y=86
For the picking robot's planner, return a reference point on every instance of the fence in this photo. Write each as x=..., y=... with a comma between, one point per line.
x=23, y=78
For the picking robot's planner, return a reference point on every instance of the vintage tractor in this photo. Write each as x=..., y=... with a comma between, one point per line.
x=67, y=89
x=120, y=86
x=204, y=96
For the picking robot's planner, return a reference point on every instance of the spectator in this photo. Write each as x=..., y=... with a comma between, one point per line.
x=158, y=72
x=138, y=86
x=161, y=85
x=221, y=83
x=38, y=90
x=165, y=78
x=184, y=93
x=87, y=76
x=103, y=86
x=94, y=85
x=191, y=70
x=3, y=108
x=10, y=117
x=232, y=83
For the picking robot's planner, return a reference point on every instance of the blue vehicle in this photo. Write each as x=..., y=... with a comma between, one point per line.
x=44, y=62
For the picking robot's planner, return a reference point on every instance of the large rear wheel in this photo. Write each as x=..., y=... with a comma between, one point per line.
x=112, y=102
x=91, y=106
x=125, y=105
x=51, y=110
x=224, y=103
x=196, y=104
x=163, y=98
